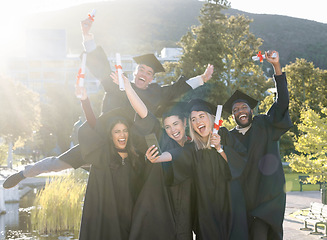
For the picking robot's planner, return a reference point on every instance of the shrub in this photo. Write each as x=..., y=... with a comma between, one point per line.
x=59, y=205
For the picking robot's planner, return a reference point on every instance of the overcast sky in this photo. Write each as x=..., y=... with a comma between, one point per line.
x=312, y=10
x=13, y=12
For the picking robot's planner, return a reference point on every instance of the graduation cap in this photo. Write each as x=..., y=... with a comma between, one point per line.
x=107, y=119
x=200, y=105
x=170, y=109
x=239, y=96
x=151, y=61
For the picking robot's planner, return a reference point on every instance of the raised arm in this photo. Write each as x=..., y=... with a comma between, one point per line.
x=183, y=84
x=136, y=102
x=280, y=81
x=97, y=61
x=86, y=105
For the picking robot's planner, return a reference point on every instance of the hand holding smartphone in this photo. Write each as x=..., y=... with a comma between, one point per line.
x=151, y=140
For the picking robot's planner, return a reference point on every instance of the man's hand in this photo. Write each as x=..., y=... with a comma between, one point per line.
x=86, y=26
x=274, y=61
x=206, y=76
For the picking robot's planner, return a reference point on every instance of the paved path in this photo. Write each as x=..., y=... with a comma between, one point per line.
x=296, y=201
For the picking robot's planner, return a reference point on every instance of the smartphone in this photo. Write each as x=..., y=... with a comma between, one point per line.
x=151, y=140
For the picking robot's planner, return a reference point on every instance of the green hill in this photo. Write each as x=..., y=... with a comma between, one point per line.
x=136, y=27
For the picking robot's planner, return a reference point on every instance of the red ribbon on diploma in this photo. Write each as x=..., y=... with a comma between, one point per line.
x=91, y=17
x=260, y=56
x=79, y=76
x=219, y=125
x=118, y=67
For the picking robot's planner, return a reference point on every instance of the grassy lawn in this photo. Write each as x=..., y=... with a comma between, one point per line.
x=292, y=183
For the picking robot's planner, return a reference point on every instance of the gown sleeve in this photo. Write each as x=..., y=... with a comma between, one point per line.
x=278, y=115
x=98, y=64
x=73, y=157
x=91, y=142
x=176, y=90
x=88, y=112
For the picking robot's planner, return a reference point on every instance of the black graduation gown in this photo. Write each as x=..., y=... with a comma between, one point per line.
x=109, y=200
x=263, y=178
x=112, y=189
x=236, y=163
x=161, y=211
x=211, y=175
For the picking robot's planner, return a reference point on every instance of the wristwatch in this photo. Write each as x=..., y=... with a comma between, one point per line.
x=221, y=149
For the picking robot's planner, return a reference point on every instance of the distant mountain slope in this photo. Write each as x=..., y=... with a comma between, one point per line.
x=293, y=37
x=135, y=27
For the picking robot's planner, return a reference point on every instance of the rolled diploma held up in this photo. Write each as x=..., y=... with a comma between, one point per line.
x=217, y=119
x=81, y=74
x=92, y=14
x=120, y=72
x=256, y=58
x=83, y=64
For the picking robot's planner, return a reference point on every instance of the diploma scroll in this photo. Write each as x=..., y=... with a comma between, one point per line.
x=218, y=121
x=81, y=73
x=119, y=70
x=92, y=15
x=260, y=56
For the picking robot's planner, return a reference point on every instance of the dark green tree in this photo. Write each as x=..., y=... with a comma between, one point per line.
x=226, y=43
x=307, y=86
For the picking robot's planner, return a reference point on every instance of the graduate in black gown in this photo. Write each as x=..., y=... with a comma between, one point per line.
x=208, y=168
x=115, y=178
x=263, y=178
x=161, y=211
x=116, y=174
x=114, y=181
x=151, y=93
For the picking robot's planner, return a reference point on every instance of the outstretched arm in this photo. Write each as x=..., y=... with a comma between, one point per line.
x=49, y=164
x=183, y=85
x=152, y=155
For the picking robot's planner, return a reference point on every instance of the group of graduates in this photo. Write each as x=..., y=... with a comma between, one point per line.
x=228, y=185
